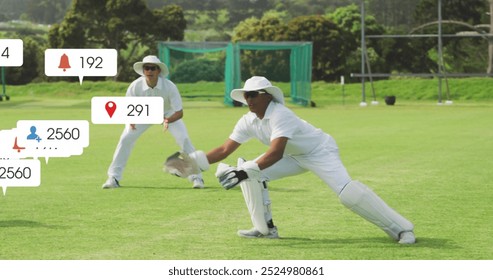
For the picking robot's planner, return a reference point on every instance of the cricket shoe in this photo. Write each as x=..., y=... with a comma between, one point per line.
x=111, y=183
x=253, y=233
x=198, y=183
x=407, y=237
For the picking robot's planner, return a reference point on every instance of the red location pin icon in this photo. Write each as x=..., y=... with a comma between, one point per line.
x=110, y=108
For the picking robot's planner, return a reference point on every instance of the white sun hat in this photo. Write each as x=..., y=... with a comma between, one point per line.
x=257, y=83
x=151, y=59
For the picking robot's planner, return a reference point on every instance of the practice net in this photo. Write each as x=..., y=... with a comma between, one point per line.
x=233, y=63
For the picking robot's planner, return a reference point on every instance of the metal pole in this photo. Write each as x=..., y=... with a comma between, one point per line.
x=490, y=41
x=343, y=93
x=374, y=102
x=363, y=51
x=3, y=84
x=439, y=51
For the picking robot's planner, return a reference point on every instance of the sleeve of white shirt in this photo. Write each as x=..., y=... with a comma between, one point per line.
x=131, y=89
x=175, y=97
x=240, y=132
x=284, y=124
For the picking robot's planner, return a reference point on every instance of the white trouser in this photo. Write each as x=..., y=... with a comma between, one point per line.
x=129, y=137
x=324, y=161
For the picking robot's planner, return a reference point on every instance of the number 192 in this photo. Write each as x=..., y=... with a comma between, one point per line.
x=92, y=61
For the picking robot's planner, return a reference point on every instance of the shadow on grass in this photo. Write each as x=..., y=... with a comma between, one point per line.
x=185, y=188
x=423, y=242
x=27, y=224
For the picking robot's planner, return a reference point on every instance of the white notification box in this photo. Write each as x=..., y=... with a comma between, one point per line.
x=52, y=138
x=127, y=110
x=20, y=173
x=9, y=148
x=81, y=63
x=11, y=52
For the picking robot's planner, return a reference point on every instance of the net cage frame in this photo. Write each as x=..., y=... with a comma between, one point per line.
x=300, y=62
x=440, y=74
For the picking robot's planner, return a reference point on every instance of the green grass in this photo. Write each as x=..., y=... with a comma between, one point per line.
x=431, y=163
x=470, y=90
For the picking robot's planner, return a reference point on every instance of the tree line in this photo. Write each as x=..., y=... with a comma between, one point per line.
x=133, y=27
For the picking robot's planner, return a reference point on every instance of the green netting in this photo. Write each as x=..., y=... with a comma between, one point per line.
x=165, y=48
x=300, y=62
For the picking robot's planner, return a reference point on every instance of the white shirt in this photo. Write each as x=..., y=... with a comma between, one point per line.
x=164, y=88
x=279, y=121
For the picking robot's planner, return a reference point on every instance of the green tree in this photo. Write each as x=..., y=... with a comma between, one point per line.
x=459, y=54
x=206, y=25
x=407, y=55
x=32, y=65
x=395, y=14
x=241, y=10
x=200, y=69
x=402, y=52
x=47, y=11
x=469, y=11
x=270, y=63
x=123, y=25
x=70, y=33
x=329, y=48
x=298, y=8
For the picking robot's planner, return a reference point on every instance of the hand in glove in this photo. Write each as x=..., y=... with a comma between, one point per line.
x=183, y=165
x=230, y=177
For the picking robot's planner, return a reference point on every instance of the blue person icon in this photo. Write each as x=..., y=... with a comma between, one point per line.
x=33, y=135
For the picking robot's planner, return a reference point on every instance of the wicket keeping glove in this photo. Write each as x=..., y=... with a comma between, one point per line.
x=231, y=176
x=183, y=165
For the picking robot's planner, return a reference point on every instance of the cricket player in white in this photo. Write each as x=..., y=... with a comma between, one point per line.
x=295, y=146
x=152, y=83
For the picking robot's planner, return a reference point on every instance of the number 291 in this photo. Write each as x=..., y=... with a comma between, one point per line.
x=137, y=110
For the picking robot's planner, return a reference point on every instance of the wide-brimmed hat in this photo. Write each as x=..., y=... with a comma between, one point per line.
x=151, y=59
x=257, y=83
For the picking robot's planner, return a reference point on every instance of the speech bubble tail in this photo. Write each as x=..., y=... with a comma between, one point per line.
x=46, y=159
x=81, y=78
x=4, y=189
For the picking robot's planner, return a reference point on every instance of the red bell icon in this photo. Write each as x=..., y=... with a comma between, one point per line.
x=17, y=147
x=64, y=64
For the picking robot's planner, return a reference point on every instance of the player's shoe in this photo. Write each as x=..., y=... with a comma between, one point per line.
x=407, y=237
x=111, y=183
x=198, y=183
x=253, y=233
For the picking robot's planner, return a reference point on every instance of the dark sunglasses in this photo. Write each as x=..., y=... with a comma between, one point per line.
x=150, y=68
x=253, y=93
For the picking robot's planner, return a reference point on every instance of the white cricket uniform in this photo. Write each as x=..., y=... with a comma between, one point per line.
x=172, y=103
x=308, y=148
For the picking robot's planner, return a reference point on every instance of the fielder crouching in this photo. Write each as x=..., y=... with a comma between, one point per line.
x=295, y=146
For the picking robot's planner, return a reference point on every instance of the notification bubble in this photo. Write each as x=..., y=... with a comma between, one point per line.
x=19, y=173
x=11, y=52
x=9, y=147
x=80, y=63
x=52, y=138
x=127, y=110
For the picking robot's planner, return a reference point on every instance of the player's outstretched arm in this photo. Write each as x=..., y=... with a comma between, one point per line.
x=223, y=151
x=274, y=153
x=183, y=165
